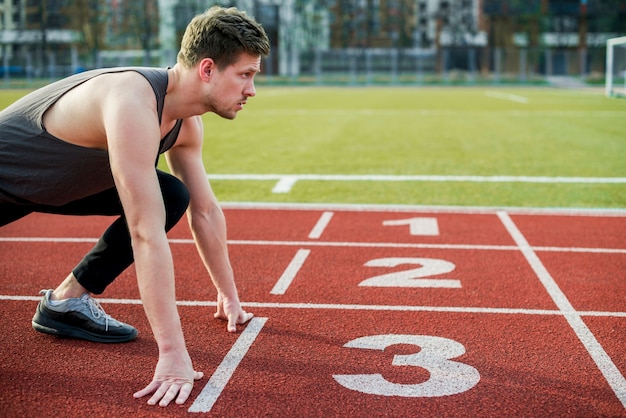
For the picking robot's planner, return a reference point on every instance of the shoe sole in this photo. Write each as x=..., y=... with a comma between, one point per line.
x=52, y=327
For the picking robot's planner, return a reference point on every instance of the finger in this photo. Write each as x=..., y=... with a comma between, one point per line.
x=158, y=394
x=198, y=375
x=246, y=317
x=219, y=314
x=171, y=393
x=184, y=392
x=232, y=323
x=154, y=385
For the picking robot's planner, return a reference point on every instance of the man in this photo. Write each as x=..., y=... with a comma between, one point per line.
x=88, y=145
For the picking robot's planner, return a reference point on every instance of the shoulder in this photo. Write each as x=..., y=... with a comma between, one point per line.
x=100, y=85
x=127, y=83
x=125, y=91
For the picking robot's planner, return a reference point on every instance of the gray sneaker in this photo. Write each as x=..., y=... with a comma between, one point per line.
x=81, y=318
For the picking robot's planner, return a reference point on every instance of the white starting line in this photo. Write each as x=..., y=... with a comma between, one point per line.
x=218, y=381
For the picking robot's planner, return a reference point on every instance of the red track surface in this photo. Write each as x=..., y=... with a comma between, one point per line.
x=496, y=328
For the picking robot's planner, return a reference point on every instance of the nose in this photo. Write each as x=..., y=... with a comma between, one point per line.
x=250, y=91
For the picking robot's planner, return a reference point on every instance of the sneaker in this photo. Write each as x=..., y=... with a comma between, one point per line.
x=81, y=318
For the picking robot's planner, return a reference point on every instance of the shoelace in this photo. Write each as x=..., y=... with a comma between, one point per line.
x=98, y=311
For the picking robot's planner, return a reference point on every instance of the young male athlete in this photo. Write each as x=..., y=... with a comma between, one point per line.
x=87, y=145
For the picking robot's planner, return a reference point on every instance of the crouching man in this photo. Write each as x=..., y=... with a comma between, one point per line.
x=87, y=145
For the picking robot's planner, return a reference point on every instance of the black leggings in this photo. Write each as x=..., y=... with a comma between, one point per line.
x=113, y=253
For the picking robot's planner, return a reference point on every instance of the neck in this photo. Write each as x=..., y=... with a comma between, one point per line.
x=182, y=100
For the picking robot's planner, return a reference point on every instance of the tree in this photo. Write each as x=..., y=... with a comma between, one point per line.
x=89, y=17
x=137, y=24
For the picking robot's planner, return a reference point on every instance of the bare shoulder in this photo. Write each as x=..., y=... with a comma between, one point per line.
x=110, y=88
x=86, y=106
x=127, y=85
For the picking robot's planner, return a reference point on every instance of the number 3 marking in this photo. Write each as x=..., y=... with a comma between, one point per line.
x=414, y=277
x=446, y=377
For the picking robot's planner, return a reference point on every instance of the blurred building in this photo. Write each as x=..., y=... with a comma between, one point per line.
x=522, y=36
x=30, y=30
x=363, y=39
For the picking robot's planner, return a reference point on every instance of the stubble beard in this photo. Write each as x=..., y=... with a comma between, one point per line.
x=220, y=111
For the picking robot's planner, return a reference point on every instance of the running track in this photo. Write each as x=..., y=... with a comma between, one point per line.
x=371, y=311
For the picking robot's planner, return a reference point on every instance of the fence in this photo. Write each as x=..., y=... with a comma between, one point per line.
x=357, y=66
x=446, y=65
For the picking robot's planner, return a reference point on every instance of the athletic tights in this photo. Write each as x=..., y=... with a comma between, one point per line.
x=113, y=253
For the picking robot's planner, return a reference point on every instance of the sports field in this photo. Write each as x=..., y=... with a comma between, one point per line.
x=476, y=146
x=436, y=252
x=423, y=146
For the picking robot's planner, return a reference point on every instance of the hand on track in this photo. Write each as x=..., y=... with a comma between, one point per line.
x=231, y=311
x=173, y=379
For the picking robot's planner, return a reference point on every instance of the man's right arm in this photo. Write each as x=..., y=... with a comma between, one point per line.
x=132, y=130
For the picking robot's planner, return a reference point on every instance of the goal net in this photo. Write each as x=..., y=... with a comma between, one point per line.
x=616, y=67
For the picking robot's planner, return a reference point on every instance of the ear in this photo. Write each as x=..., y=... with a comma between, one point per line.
x=206, y=68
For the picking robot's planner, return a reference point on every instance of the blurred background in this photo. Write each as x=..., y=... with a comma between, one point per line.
x=353, y=42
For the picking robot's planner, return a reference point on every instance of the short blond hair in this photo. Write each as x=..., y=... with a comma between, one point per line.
x=222, y=34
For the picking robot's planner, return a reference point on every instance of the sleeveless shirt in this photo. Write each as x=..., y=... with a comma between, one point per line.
x=37, y=167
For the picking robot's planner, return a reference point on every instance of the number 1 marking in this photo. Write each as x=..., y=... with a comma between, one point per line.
x=417, y=226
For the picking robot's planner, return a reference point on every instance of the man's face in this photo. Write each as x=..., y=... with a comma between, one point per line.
x=231, y=87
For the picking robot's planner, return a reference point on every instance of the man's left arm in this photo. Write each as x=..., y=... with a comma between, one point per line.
x=206, y=220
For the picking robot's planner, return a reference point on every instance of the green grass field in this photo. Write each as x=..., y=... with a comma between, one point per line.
x=424, y=131
x=427, y=131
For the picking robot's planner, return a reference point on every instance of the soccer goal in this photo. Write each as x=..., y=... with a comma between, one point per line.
x=616, y=67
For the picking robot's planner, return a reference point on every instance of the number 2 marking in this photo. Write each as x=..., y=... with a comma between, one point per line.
x=414, y=277
x=447, y=377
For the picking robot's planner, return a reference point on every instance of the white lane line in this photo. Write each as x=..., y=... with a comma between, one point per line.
x=342, y=307
x=412, y=113
x=466, y=210
x=594, y=348
x=285, y=184
x=290, y=273
x=481, y=247
x=218, y=381
x=507, y=96
x=286, y=181
x=321, y=225
x=46, y=239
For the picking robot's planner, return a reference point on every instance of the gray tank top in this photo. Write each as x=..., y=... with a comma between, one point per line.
x=36, y=167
